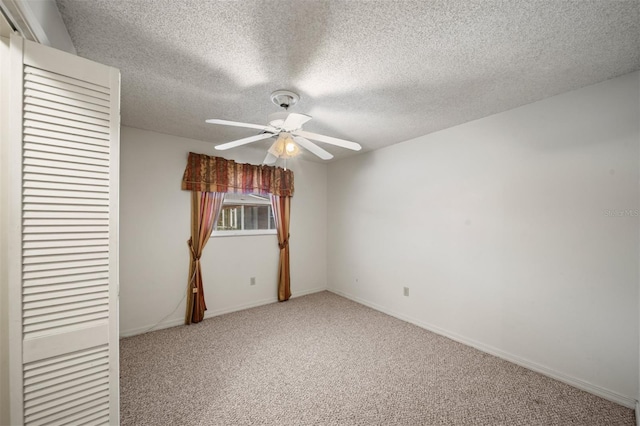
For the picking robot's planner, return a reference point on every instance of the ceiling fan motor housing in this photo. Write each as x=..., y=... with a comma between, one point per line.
x=277, y=119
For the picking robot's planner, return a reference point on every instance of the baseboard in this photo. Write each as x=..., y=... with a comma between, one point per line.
x=213, y=313
x=217, y=312
x=150, y=327
x=572, y=381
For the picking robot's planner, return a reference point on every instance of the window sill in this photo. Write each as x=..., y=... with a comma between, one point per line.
x=247, y=233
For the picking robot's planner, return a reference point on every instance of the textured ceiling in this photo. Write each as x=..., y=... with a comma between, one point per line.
x=375, y=72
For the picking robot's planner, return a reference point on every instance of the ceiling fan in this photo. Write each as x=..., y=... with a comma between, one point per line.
x=287, y=127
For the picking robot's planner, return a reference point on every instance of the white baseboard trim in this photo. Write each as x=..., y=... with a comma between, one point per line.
x=572, y=381
x=213, y=313
x=141, y=330
x=217, y=312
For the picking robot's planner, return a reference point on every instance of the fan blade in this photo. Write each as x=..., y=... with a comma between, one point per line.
x=270, y=159
x=243, y=141
x=295, y=121
x=312, y=147
x=236, y=123
x=328, y=139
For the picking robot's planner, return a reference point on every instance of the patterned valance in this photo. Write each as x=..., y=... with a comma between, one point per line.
x=214, y=174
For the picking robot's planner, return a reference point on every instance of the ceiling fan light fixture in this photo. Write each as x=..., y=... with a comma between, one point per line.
x=284, y=147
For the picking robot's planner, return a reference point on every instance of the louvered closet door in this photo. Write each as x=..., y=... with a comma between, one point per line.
x=69, y=286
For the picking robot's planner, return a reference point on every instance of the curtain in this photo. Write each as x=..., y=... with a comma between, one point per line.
x=281, y=212
x=205, y=208
x=209, y=178
x=214, y=174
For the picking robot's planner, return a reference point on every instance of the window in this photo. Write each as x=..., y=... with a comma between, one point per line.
x=245, y=214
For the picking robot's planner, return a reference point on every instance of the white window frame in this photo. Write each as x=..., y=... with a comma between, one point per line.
x=244, y=200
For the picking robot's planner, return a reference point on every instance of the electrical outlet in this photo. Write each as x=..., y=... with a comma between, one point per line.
x=406, y=291
x=252, y=281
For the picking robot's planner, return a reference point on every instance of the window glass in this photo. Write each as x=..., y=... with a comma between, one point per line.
x=244, y=214
x=229, y=218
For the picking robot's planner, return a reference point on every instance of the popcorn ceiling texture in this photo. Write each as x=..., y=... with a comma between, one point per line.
x=325, y=360
x=375, y=72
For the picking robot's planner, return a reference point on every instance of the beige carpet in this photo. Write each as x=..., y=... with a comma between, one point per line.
x=325, y=360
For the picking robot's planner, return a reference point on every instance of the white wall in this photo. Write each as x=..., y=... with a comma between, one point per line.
x=502, y=230
x=155, y=227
